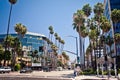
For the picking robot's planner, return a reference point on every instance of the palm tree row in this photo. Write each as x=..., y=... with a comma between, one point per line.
x=53, y=48
x=93, y=28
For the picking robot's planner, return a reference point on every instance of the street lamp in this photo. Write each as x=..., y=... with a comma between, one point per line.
x=76, y=48
x=12, y=2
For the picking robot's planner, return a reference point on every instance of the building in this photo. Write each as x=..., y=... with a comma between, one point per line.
x=30, y=42
x=109, y=6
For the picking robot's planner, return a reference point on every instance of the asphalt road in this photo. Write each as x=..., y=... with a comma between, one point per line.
x=38, y=75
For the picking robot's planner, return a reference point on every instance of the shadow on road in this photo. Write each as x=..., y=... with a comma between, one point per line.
x=67, y=75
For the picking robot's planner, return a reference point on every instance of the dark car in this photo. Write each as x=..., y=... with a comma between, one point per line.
x=26, y=70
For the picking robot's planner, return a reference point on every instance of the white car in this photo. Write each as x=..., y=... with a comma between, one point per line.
x=5, y=69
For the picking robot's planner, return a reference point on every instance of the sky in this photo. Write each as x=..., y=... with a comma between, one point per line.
x=38, y=15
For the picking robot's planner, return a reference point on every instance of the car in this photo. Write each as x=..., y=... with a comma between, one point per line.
x=26, y=70
x=5, y=69
x=59, y=68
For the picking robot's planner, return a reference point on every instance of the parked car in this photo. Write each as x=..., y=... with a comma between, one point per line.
x=26, y=70
x=59, y=68
x=5, y=69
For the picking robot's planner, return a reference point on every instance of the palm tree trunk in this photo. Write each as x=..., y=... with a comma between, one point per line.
x=84, y=51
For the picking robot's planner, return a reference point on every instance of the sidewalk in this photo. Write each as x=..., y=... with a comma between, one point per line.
x=94, y=77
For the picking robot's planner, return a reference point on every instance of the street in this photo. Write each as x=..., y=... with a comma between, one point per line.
x=53, y=75
x=38, y=75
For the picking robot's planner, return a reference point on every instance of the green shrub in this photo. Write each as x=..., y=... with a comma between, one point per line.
x=118, y=71
x=105, y=72
x=17, y=67
x=112, y=72
x=89, y=72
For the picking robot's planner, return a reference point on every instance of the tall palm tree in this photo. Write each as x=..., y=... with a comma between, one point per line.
x=21, y=31
x=56, y=38
x=12, y=3
x=87, y=10
x=62, y=45
x=54, y=59
x=51, y=32
x=78, y=22
x=98, y=11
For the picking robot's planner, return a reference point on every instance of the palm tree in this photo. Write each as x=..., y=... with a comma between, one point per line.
x=16, y=50
x=56, y=38
x=54, y=60
x=51, y=32
x=78, y=22
x=105, y=24
x=1, y=53
x=87, y=10
x=12, y=2
x=98, y=9
x=20, y=29
x=117, y=37
x=66, y=57
x=62, y=46
x=8, y=41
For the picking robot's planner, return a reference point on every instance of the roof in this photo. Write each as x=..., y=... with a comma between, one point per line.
x=36, y=34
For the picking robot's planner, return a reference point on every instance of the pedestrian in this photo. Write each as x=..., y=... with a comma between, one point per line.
x=75, y=72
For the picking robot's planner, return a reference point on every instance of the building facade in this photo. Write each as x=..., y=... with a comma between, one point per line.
x=109, y=6
x=30, y=42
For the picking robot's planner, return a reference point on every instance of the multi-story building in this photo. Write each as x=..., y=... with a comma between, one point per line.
x=30, y=42
x=109, y=6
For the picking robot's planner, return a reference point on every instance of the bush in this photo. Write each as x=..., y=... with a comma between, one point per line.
x=118, y=71
x=112, y=72
x=17, y=67
x=89, y=71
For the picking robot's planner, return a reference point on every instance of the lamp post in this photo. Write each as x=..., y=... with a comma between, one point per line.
x=76, y=48
x=11, y=2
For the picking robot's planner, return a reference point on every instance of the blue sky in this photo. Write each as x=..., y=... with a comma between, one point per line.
x=38, y=15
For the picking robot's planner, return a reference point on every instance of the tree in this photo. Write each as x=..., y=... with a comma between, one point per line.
x=1, y=53
x=20, y=29
x=51, y=32
x=65, y=56
x=98, y=9
x=56, y=38
x=87, y=10
x=8, y=41
x=78, y=22
x=12, y=1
